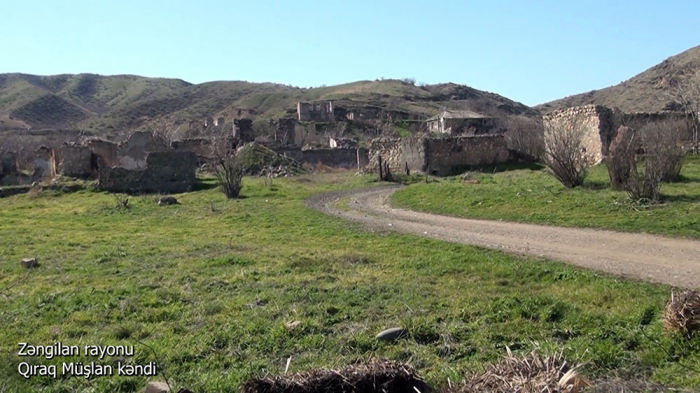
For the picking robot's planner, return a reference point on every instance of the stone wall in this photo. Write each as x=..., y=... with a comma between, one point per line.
x=77, y=160
x=391, y=152
x=132, y=153
x=336, y=158
x=595, y=122
x=439, y=156
x=450, y=156
x=285, y=131
x=9, y=164
x=44, y=164
x=243, y=130
x=165, y=172
x=107, y=151
x=317, y=111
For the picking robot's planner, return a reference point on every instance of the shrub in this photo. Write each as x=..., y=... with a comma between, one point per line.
x=229, y=173
x=564, y=153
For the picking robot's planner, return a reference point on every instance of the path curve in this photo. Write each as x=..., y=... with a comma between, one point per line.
x=635, y=255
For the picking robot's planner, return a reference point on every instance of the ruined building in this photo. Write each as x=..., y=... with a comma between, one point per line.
x=460, y=122
x=165, y=172
x=437, y=156
x=316, y=111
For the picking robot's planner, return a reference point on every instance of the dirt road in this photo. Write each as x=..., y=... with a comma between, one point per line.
x=640, y=256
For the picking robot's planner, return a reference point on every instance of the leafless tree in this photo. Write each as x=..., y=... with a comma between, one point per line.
x=685, y=95
x=565, y=154
x=525, y=135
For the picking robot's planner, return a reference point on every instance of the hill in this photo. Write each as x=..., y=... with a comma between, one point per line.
x=110, y=104
x=645, y=92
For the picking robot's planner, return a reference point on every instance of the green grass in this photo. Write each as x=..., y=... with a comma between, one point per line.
x=532, y=195
x=211, y=283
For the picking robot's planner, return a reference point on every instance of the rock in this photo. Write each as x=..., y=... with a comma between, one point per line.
x=30, y=263
x=470, y=181
x=168, y=200
x=391, y=334
x=293, y=324
x=157, y=387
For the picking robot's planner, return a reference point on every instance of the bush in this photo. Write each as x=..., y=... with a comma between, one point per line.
x=564, y=153
x=664, y=157
x=229, y=173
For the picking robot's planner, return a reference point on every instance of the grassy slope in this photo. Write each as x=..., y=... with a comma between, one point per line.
x=210, y=284
x=125, y=102
x=535, y=196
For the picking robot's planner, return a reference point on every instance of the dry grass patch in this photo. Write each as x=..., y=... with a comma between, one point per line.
x=682, y=313
x=379, y=376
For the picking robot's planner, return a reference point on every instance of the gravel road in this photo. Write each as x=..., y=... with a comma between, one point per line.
x=639, y=256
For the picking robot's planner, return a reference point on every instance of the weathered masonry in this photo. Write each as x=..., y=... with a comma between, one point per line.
x=166, y=172
x=438, y=156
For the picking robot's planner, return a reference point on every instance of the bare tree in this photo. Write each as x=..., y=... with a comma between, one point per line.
x=524, y=135
x=565, y=154
x=685, y=95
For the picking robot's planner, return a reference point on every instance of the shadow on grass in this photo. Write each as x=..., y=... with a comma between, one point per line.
x=207, y=184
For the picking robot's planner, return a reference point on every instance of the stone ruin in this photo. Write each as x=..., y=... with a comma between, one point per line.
x=243, y=130
x=316, y=111
x=166, y=172
x=285, y=131
x=44, y=164
x=142, y=163
x=599, y=125
x=9, y=164
x=437, y=156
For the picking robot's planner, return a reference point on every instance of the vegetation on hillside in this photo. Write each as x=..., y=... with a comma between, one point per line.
x=111, y=104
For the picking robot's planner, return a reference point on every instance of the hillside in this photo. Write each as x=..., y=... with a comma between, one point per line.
x=643, y=93
x=110, y=104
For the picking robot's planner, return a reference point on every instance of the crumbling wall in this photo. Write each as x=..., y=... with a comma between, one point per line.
x=450, y=156
x=243, y=130
x=595, y=122
x=438, y=156
x=414, y=150
x=318, y=111
x=77, y=160
x=284, y=131
x=44, y=164
x=9, y=164
x=133, y=152
x=165, y=172
x=352, y=158
x=105, y=150
x=391, y=152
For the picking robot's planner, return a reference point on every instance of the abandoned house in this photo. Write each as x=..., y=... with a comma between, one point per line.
x=460, y=122
x=437, y=156
x=316, y=111
x=166, y=172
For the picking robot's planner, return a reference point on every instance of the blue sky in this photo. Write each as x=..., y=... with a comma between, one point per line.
x=530, y=51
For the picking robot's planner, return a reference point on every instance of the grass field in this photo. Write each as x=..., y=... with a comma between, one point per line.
x=532, y=195
x=211, y=284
